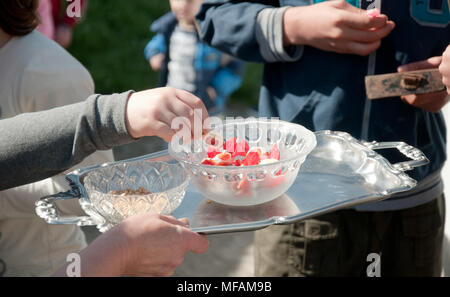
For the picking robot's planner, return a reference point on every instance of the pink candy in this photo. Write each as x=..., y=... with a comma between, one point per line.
x=373, y=13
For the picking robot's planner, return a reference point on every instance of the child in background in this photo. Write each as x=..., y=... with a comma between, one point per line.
x=186, y=63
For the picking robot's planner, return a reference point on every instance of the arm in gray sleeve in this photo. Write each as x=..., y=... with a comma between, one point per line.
x=269, y=34
x=34, y=146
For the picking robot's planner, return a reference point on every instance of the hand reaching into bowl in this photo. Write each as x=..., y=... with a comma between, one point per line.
x=143, y=245
x=41, y=144
x=152, y=112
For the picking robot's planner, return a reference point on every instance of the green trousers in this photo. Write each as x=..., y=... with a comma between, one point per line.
x=407, y=242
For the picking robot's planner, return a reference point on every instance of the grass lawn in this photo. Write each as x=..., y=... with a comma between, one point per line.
x=110, y=42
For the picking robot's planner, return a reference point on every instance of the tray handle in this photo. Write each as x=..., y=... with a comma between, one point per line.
x=47, y=210
x=417, y=157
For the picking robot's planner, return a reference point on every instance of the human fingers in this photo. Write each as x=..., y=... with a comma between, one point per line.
x=172, y=220
x=420, y=102
x=195, y=242
x=444, y=68
x=194, y=102
x=429, y=63
x=432, y=102
x=362, y=49
x=185, y=221
x=154, y=270
x=181, y=109
x=445, y=71
x=368, y=36
x=167, y=118
x=167, y=114
x=360, y=20
x=162, y=130
x=185, y=113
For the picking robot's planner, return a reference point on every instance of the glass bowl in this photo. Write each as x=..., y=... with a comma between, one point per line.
x=151, y=187
x=249, y=185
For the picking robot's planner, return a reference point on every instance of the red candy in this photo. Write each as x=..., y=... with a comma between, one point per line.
x=237, y=162
x=224, y=159
x=230, y=145
x=213, y=151
x=252, y=158
x=208, y=162
x=242, y=149
x=274, y=153
x=232, y=149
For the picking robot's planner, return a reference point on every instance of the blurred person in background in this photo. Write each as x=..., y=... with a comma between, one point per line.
x=36, y=74
x=187, y=63
x=56, y=23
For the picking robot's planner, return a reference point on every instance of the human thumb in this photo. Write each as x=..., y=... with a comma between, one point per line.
x=430, y=63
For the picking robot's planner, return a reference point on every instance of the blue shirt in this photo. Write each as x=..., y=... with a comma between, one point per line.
x=325, y=90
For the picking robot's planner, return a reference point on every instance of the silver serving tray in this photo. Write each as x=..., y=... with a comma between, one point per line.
x=340, y=172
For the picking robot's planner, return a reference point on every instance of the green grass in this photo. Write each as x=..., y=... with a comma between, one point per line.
x=110, y=42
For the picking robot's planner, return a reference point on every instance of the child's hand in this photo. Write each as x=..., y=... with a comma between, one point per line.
x=432, y=102
x=335, y=26
x=156, y=61
x=444, y=68
x=151, y=112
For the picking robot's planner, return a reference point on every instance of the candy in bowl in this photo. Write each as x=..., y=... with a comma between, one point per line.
x=245, y=162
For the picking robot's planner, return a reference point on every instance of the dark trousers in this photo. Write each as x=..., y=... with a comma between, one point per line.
x=408, y=242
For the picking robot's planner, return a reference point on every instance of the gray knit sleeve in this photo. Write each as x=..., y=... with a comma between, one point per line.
x=34, y=146
x=269, y=34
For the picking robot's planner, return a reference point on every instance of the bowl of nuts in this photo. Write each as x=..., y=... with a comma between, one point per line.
x=113, y=192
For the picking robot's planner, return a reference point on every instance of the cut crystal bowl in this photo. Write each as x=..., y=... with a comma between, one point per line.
x=246, y=185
